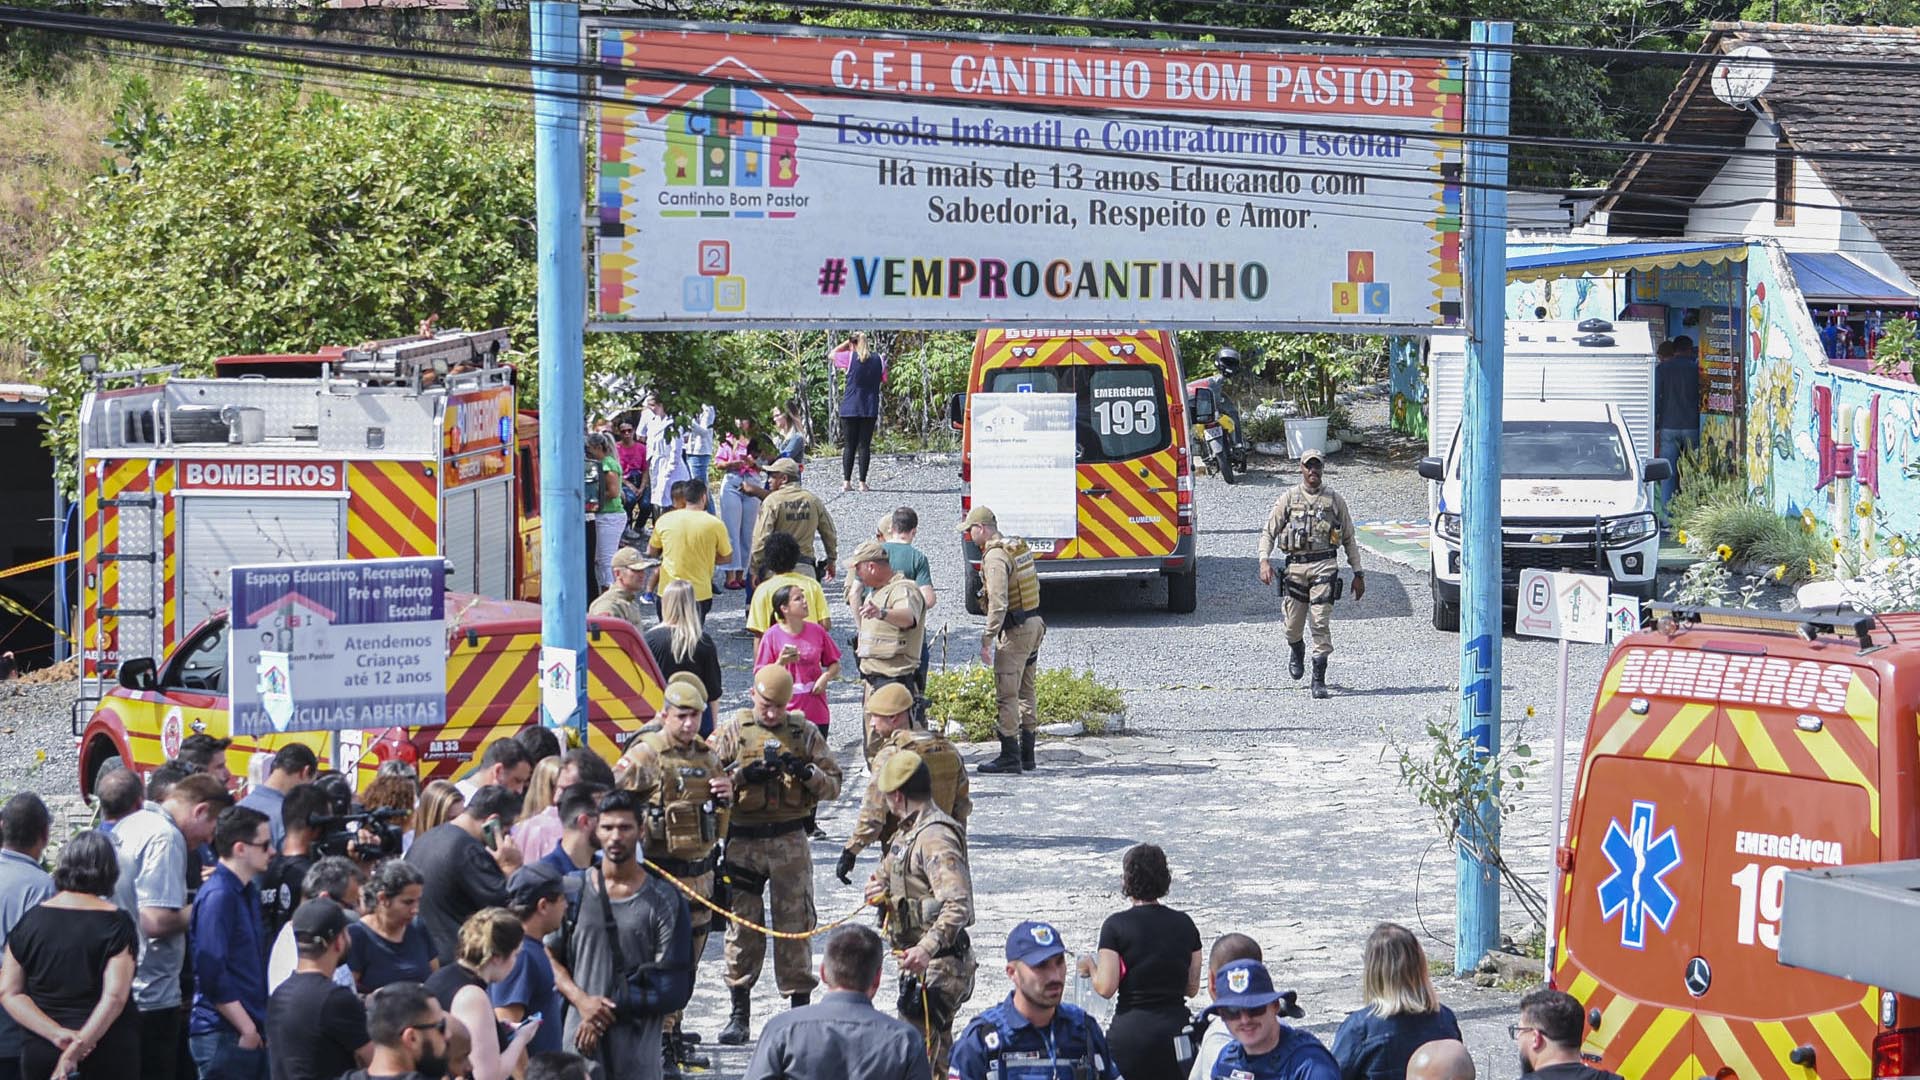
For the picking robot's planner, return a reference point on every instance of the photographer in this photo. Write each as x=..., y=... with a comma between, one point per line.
x=282, y=886
x=623, y=959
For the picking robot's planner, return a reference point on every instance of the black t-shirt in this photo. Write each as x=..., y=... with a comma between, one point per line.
x=282, y=888
x=449, y=981
x=362, y=1074
x=1156, y=946
x=1572, y=1070
x=63, y=954
x=314, y=1025
x=461, y=878
x=705, y=662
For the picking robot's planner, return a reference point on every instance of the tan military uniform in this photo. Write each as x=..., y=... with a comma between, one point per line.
x=951, y=791
x=800, y=514
x=621, y=603
x=887, y=650
x=767, y=845
x=685, y=821
x=1014, y=626
x=1310, y=529
x=929, y=890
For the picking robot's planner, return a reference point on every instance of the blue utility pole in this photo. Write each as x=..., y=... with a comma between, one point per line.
x=1477, y=922
x=562, y=319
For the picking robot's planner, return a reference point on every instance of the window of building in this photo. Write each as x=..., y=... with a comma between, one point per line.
x=1783, y=193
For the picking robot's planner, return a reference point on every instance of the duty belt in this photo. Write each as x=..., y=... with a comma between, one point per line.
x=1015, y=618
x=961, y=943
x=681, y=868
x=1313, y=556
x=764, y=832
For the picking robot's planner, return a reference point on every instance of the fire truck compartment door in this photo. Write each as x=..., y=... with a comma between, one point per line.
x=480, y=558
x=218, y=532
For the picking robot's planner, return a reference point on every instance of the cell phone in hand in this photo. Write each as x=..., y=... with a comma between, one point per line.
x=530, y=1021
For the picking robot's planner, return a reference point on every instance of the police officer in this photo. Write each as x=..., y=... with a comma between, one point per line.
x=893, y=622
x=1310, y=524
x=792, y=509
x=622, y=598
x=924, y=890
x=781, y=770
x=687, y=788
x=1031, y=1035
x=1263, y=1048
x=1011, y=640
x=889, y=716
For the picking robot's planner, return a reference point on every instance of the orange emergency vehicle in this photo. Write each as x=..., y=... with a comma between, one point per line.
x=1726, y=749
x=1134, y=477
x=493, y=691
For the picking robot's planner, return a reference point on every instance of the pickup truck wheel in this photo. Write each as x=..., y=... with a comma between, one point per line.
x=1183, y=592
x=1445, y=616
x=973, y=591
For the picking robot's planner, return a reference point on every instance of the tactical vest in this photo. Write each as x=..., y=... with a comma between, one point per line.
x=895, y=649
x=779, y=798
x=682, y=822
x=943, y=761
x=1023, y=584
x=909, y=894
x=1311, y=523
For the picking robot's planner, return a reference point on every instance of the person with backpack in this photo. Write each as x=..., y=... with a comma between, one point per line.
x=624, y=957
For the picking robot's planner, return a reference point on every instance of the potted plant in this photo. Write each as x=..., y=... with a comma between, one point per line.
x=1313, y=369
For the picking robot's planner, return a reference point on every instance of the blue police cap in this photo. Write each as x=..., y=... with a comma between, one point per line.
x=1034, y=943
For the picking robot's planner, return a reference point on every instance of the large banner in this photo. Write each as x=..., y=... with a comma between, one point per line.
x=781, y=177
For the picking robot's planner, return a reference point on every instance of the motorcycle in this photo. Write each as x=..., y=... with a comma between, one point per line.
x=1216, y=435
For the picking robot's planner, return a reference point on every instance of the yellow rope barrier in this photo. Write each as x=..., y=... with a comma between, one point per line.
x=28, y=568
x=788, y=935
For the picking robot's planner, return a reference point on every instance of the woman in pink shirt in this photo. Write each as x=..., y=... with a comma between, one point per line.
x=805, y=650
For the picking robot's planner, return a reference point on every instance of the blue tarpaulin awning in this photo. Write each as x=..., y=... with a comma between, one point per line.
x=1831, y=278
x=1614, y=259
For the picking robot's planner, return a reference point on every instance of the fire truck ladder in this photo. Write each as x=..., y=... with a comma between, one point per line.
x=133, y=552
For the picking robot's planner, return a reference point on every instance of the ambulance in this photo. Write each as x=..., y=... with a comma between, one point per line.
x=405, y=447
x=493, y=691
x=1726, y=749
x=1132, y=483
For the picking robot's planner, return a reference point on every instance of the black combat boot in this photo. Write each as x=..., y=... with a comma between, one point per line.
x=740, y=1020
x=1026, y=751
x=1009, y=759
x=1297, y=661
x=669, y=1059
x=685, y=1055
x=1320, y=677
x=800, y=1001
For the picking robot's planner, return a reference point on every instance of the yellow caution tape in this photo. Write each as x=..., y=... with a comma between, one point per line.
x=28, y=568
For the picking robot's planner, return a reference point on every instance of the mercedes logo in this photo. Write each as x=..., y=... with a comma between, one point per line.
x=1699, y=976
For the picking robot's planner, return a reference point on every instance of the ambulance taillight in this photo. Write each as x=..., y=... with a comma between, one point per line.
x=1184, y=497
x=1896, y=1053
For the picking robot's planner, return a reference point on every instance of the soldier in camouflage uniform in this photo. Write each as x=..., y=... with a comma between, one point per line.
x=687, y=790
x=1311, y=524
x=781, y=770
x=889, y=715
x=925, y=891
x=1010, y=642
x=622, y=598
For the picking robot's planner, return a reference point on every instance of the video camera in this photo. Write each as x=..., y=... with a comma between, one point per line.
x=774, y=762
x=345, y=834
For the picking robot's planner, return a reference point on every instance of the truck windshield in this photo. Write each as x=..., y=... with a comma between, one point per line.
x=1561, y=450
x=1120, y=409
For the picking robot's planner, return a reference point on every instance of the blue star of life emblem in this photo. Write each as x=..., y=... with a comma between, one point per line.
x=1636, y=889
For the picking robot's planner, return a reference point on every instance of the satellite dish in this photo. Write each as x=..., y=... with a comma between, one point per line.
x=1743, y=75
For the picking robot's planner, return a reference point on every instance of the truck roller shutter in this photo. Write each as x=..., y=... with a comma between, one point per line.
x=493, y=551
x=218, y=532
x=457, y=521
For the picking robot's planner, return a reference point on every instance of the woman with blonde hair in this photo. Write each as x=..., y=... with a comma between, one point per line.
x=542, y=790
x=1402, y=1011
x=681, y=643
x=440, y=802
x=489, y=944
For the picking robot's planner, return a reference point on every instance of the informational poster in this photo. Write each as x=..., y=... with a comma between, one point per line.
x=1723, y=385
x=781, y=176
x=336, y=645
x=1023, y=462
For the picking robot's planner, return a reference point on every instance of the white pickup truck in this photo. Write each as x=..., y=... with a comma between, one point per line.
x=1575, y=495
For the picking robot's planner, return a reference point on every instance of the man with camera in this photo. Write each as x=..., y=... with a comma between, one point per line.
x=282, y=886
x=623, y=956
x=781, y=769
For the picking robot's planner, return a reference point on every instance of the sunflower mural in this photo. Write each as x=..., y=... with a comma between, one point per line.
x=1772, y=383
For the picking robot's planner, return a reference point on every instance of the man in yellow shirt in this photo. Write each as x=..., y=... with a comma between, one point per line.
x=783, y=555
x=690, y=543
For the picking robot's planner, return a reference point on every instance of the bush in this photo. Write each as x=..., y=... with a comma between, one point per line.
x=965, y=694
x=1753, y=534
x=1700, y=484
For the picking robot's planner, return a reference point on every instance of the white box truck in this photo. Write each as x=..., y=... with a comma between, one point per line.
x=1577, y=464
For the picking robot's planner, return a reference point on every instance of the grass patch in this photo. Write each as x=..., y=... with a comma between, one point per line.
x=965, y=694
x=1755, y=535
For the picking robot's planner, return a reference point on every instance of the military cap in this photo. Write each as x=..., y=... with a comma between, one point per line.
x=775, y=683
x=979, y=515
x=632, y=559
x=898, y=769
x=871, y=551
x=786, y=466
x=1311, y=456
x=686, y=690
x=890, y=700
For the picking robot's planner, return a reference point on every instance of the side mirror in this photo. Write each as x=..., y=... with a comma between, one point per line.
x=957, y=411
x=1205, y=411
x=1432, y=468
x=140, y=674
x=1656, y=470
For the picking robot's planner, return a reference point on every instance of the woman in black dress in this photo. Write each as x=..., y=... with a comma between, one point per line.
x=69, y=970
x=1150, y=954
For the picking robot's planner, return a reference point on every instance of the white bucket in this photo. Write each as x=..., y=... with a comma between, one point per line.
x=1306, y=433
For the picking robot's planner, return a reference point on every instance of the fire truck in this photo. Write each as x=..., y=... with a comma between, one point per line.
x=411, y=446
